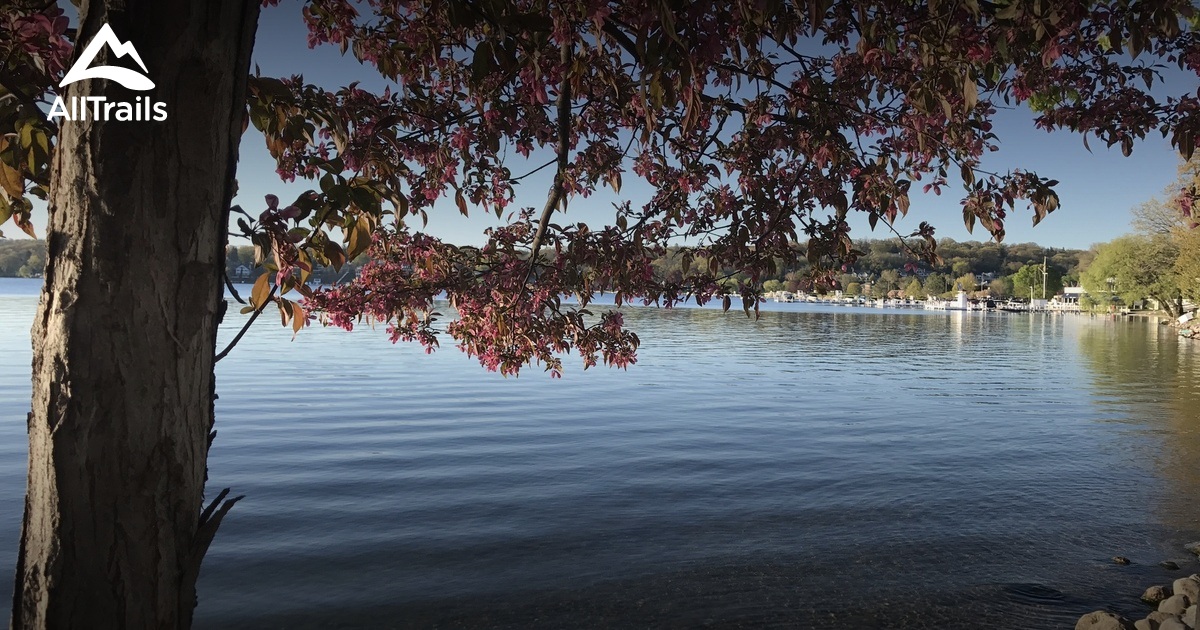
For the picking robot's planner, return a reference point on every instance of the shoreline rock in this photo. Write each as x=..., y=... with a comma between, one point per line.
x=1156, y=594
x=1176, y=607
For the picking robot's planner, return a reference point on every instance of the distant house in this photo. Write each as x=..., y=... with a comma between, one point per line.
x=1068, y=300
x=1072, y=295
x=241, y=272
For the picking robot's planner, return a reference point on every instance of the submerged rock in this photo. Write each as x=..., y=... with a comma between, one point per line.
x=1103, y=620
x=1193, y=547
x=1156, y=594
x=1168, y=565
x=1120, y=559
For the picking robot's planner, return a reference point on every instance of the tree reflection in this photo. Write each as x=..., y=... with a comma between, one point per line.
x=1150, y=379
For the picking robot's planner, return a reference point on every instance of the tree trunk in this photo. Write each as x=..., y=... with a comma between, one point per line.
x=124, y=338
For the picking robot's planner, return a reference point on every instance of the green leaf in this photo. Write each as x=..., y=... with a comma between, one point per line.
x=365, y=199
x=462, y=203
x=299, y=318
x=10, y=178
x=358, y=237
x=482, y=64
x=335, y=254
x=285, y=310
x=262, y=289
x=968, y=175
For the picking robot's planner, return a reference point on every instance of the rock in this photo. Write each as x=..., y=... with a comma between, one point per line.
x=1156, y=594
x=1193, y=547
x=1172, y=624
x=1189, y=586
x=1120, y=559
x=1153, y=621
x=1175, y=604
x=1191, y=616
x=1103, y=620
x=1168, y=565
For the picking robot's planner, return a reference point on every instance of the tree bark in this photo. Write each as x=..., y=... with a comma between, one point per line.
x=123, y=352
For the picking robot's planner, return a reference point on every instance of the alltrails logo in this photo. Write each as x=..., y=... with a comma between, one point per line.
x=99, y=107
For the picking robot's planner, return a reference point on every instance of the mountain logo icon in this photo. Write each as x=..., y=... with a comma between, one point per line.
x=129, y=78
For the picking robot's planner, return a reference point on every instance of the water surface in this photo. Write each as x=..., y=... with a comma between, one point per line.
x=821, y=467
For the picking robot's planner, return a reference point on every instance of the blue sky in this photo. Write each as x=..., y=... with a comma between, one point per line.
x=1097, y=189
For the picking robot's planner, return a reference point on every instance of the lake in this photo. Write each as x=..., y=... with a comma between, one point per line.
x=822, y=467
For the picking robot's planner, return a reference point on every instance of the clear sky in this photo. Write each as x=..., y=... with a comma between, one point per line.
x=1097, y=189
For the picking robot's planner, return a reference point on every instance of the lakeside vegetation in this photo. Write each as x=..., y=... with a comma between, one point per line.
x=880, y=268
x=1159, y=261
x=885, y=269
x=1156, y=266
x=998, y=270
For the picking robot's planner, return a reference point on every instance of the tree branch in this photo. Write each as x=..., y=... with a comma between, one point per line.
x=557, y=193
x=23, y=98
x=245, y=327
x=229, y=285
x=270, y=296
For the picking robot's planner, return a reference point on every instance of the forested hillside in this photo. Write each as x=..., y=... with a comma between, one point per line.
x=22, y=258
x=880, y=258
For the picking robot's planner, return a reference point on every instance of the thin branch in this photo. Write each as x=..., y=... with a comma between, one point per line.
x=564, y=147
x=517, y=179
x=25, y=99
x=229, y=285
x=245, y=327
x=271, y=295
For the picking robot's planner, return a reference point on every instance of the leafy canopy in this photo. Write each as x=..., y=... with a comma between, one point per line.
x=1135, y=267
x=1035, y=281
x=756, y=125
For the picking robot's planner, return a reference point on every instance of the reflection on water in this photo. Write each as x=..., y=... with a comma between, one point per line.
x=1152, y=377
x=824, y=468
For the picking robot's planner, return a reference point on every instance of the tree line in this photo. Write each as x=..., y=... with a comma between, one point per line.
x=881, y=267
x=1159, y=260
x=885, y=267
x=26, y=258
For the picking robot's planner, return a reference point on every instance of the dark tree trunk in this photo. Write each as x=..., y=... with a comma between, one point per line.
x=124, y=338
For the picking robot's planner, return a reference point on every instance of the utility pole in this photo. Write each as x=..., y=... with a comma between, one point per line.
x=1045, y=276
